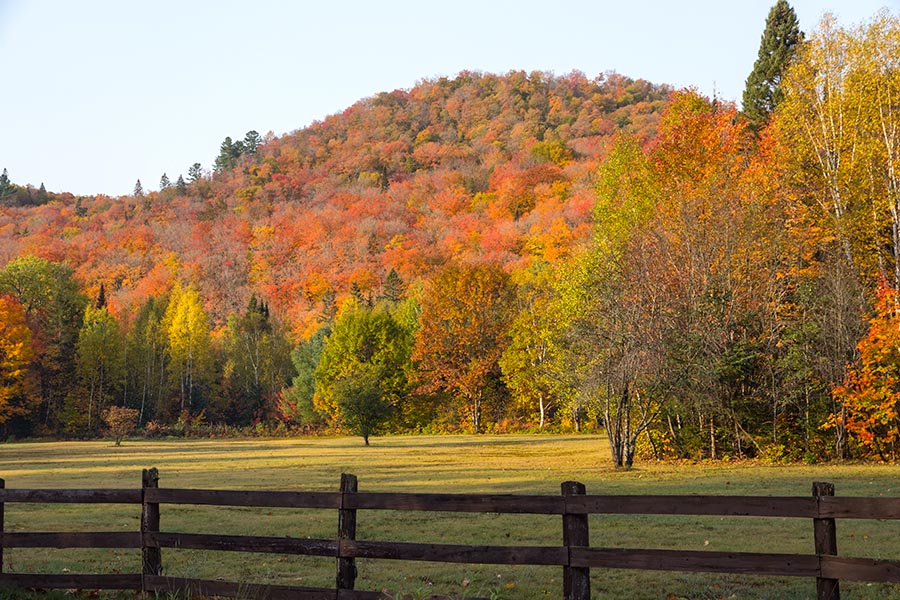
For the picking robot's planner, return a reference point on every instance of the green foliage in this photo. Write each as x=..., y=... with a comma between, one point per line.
x=780, y=38
x=195, y=173
x=54, y=307
x=361, y=401
x=297, y=403
x=532, y=364
x=257, y=364
x=98, y=362
x=365, y=343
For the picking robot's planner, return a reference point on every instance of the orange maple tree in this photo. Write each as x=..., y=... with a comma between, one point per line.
x=870, y=394
x=16, y=354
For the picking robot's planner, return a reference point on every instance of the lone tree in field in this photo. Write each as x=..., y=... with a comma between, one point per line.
x=121, y=421
x=362, y=404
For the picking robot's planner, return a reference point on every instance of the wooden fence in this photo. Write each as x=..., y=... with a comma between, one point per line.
x=575, y=555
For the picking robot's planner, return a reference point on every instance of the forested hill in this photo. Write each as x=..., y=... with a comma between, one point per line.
x=477, y=167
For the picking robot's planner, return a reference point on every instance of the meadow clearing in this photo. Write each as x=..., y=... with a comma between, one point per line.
x=533, y=464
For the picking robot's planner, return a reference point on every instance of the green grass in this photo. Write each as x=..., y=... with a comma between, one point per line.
x=484, y=464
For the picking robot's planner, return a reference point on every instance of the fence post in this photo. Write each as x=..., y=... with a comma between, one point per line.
x=576, y=580
x=151, y=555
x=346, y=567
x=2, y=524
x=826, y=543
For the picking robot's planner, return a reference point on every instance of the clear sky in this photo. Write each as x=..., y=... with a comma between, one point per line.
x=95, y=94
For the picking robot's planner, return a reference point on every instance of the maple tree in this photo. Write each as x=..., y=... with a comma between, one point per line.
x=870, y=392
x=463, y=333
x=16, y=355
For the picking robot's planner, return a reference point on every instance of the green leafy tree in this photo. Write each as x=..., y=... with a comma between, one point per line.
x=365, y=343
x=257, y=363
x=362, y=403
x=98, y=362
x=54, y=307
x=532, y=363
x=296, y=403
x=147, y=359
x=776, y=49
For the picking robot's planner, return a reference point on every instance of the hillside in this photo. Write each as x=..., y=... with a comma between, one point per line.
x=478, y=167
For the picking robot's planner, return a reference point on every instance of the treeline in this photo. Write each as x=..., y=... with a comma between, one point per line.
x=478, y=254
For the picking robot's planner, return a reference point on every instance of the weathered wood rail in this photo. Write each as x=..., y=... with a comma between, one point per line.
x=575, y=555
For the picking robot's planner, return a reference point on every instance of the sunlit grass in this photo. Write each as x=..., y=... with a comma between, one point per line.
x=483, y=464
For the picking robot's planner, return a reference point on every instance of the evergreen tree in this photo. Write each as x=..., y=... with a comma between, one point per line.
x=164, y=182
x=251, y=141
x=195, y=173
x=181, y=186
x=101, y=298
x=6, y=186
x=776, y=49
x=229, y=153
x=138, y=189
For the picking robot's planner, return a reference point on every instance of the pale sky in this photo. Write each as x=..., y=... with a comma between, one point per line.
x=95, y=94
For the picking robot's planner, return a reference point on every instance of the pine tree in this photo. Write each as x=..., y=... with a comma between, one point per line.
x=138, y=189
x=180, y=186
x=195, y=173
x=252, y=141
x=101, y=298
x=776, y=49
x=164, y=182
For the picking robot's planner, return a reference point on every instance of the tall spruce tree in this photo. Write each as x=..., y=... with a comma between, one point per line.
x=776, y=49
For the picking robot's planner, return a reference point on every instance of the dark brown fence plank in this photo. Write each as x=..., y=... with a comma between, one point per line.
x=262, y=499
x=738, y=506
x=742, y=563
x=244, y=543
x=484, y=503
x=60, y=496
x=861, y=569
x=456, y=553
x=825, y=539
x=71, y=581
x=345, y=578
x=73, y=539
x=2, y=525
x=151, y=557
x=849, y=507
x=229, y=589
x=576, y=580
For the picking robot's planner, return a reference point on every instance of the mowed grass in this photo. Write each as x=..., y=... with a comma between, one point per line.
x=458, y=464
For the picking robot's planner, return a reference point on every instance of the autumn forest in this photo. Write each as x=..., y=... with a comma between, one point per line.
x=493, y=253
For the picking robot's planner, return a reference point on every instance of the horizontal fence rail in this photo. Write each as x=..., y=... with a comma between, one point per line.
x=575, y=555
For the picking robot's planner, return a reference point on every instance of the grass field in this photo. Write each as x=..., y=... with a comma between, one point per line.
x=486, y=464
